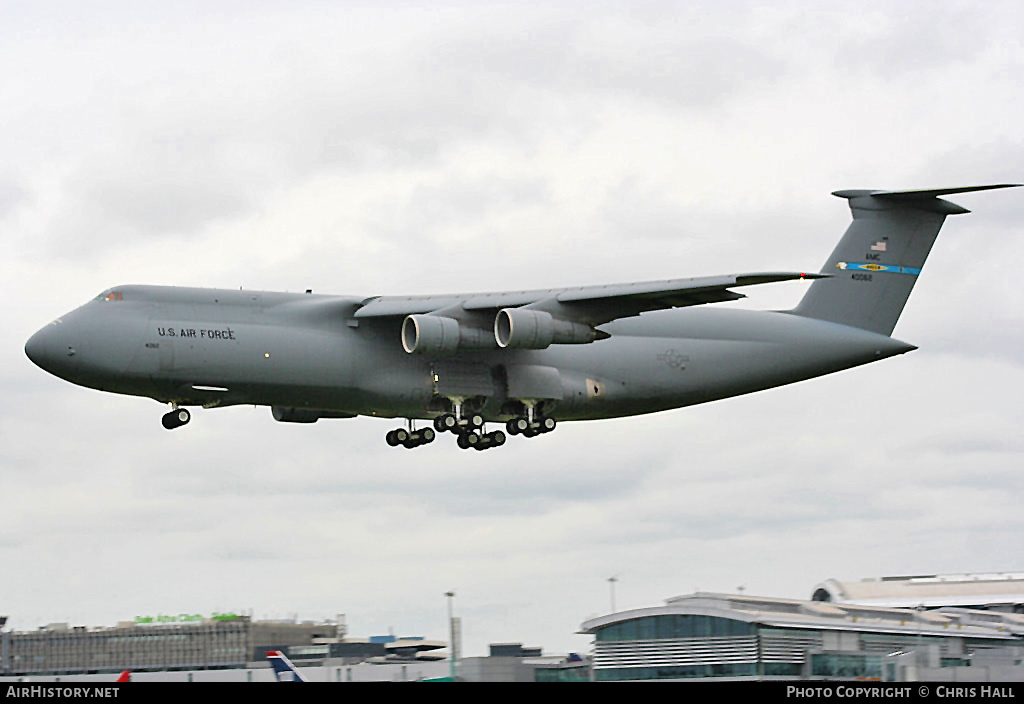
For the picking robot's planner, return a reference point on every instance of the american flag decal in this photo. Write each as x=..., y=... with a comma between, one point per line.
x=878, y=246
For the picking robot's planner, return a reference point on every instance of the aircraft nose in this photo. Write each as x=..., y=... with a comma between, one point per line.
x=51, y=350
x=38, y=348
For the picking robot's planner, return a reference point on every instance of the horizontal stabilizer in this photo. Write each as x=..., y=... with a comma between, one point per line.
x=934, y=193
x=926, y=199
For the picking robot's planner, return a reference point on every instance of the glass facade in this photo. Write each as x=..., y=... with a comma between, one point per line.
x=675, y=672
x=675, y=626
x=708, y=636
x=675, y=646
x=782, y=669
x=846, y=666
x=561, y=674
x=680, y=646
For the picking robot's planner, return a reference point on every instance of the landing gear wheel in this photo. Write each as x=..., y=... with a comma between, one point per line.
x=410, y=438
x=419, y=437
x=471, y=423
x=489, y=440
x=445, y=422
x=517, y=426
x=397, y=437
x=468, y=440
x=176, y=418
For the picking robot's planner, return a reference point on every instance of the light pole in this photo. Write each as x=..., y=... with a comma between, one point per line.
x=451, y=635
x=4, y=645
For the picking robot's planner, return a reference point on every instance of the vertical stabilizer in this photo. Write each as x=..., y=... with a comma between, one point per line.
x=284, y=669
x=876, y=264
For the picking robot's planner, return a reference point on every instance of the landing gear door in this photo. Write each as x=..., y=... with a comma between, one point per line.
x=462, y=379
x=532, y=381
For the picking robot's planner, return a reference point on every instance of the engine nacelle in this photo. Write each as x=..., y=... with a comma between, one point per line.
x=438, y=335
x=519, y=328
x=284, y=414
x=430, y=334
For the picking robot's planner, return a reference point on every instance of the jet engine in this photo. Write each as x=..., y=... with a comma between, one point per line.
x=438, y=335
x=518, y=328
x=430, y=334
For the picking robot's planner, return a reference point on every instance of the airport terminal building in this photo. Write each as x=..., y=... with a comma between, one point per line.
x=993, y=591
x=202, y=644
x=965, y=628
x=708, y=636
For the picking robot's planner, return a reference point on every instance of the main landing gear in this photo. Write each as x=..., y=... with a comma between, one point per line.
x=530, y=428
x=531, y=423
x=176, y=418
x=410, y=438
x=469, y=430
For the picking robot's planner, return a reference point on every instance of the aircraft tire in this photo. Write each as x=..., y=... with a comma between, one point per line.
x=517, y=425
x=398, y=436
x=445, y=422
x=547, y=425
x=468, y=440
x=419, y=437
x=176, y=418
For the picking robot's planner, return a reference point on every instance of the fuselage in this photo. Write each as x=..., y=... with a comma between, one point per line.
x=214, y=347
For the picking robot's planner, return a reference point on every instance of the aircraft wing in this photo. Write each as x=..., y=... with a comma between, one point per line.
x=441, y=325
x=589, y=305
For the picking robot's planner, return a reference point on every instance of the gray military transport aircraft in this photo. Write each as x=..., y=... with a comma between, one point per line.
x=527, y=359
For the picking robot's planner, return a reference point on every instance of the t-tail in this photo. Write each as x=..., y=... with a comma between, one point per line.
x=284, y=669
x=876, y=264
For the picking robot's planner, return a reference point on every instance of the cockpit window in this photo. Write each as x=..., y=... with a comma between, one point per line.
x=111, y=296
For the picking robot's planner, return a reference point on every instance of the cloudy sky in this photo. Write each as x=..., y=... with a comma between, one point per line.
x=384, y=148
